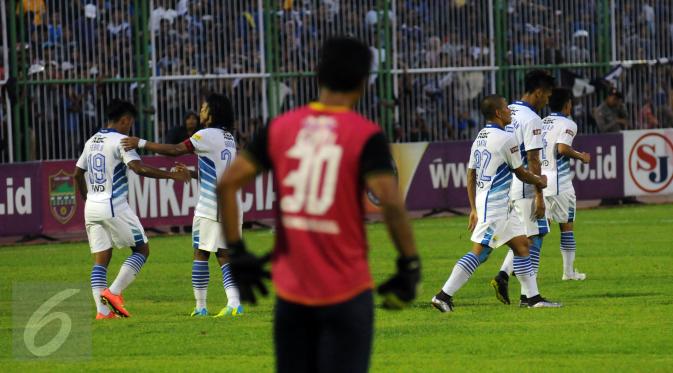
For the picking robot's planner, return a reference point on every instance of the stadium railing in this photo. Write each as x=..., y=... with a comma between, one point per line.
x=433, y=62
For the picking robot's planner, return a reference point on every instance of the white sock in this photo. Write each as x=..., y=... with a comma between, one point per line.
x=100, y=307
x=200, y=296
x=461, y=273
x=508, y=263
x=526, y=275
x=568, y=261
x=127, y=273
x=233, y=297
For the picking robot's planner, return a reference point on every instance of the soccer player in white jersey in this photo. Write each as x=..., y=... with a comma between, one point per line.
x=110, y=222
x=527, y=199
x=216, y=148
x=494, y=157
x=558, y=132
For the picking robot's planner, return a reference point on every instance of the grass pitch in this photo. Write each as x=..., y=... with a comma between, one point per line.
x=619, y=319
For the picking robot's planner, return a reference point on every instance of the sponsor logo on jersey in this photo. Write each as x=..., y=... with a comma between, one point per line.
x=650, y=162
x=537, y=131
x=62, y=197
x=513, y=149
x=570, y=132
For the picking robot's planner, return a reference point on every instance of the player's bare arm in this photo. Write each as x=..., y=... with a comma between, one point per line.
x=535, y=167
x=528, y=177
x=81, y=183
x=568, y=151
x=472, y=197
x=171, y=150
x=384, y=186
x=143, y=169
x=241, y=172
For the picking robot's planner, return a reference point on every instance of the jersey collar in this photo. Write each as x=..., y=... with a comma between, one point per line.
x=108, y=130
x=555, y=114
x=493, y=125
x=319, y=106
x=524, y=103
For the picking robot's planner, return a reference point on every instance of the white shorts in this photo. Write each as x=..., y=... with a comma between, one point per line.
x=525, y=208
x=561, y=207
x=207, y=234
x=122, y=230
x=497, y=233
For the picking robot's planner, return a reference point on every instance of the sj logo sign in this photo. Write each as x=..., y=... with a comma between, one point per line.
x=62, y=197
x=650, y=162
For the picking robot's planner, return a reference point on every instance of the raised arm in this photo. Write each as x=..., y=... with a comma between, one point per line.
x=81, y=183
x=171, y=150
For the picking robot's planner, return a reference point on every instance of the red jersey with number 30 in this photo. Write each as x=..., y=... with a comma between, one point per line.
x=315, y=153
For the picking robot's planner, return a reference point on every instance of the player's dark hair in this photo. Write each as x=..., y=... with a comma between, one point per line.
x=536, y=79
x=221, y=111
x=490, y=104
x=559, y=97
x=117, y=108
x=344, y=64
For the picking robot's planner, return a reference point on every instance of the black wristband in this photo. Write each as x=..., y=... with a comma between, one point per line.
x=408, y=263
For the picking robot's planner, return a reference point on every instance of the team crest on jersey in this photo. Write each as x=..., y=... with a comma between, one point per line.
x=62, y=196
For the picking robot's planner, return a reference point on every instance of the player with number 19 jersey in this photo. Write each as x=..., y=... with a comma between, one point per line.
x=320, y=156
x=494, y=154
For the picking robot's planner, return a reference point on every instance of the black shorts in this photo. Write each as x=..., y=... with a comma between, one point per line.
x=336, y=338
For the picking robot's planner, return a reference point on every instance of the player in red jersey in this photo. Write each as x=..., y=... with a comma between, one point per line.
x=323, y=156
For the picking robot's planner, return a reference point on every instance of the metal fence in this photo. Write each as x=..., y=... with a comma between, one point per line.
x=433, y=62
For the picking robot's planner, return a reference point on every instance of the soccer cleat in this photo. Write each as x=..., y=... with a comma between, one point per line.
x=575, y=276
x=115, y=302
x=443, y=302
x=199, y=312
x=100, y=316
x=230, y=311
x=501, y=285
x=539, y=302
x=523, y=301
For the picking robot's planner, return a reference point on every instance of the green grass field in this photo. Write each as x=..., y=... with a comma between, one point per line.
x=619, y=319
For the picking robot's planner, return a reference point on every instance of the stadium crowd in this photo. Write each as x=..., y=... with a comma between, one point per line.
x=86, y=39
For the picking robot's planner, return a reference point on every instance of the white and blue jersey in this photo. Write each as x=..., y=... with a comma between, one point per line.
x=527, y=128
x=494, y=154
x=104, y=161
x=557, y=129
x=216, y=149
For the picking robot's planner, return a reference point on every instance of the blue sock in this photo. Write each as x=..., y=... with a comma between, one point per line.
x=535, y=250
x=568, y=251
x=98, y=284
x=526, y=276
x=128, y=272
x=200, y=278
x=462, y=271
x=233, y=296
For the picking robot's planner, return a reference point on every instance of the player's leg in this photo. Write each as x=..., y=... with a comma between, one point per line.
x=462, y=271
x=568, y=245
x=100, y=244
x=527, y=275
x=200, y=271
x=295, y=338
x=346, y=330
x=126, y=230
x=234, y=307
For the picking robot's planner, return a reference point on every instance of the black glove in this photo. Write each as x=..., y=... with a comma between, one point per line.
x=401, y=289
x=248, y=271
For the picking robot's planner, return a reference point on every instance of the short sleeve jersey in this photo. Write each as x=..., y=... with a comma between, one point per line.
x=527, y=128
x=216, y=149
x=104, y=161
x=557, y=129
x=320, y=157
x=493, y=156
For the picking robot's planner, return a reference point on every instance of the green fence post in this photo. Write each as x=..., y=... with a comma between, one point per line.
x=146, y=98
x=388, y=116
x=271, y=49
x=24, y=106
x=500, y=46
x=138, y=56
x=14, y=73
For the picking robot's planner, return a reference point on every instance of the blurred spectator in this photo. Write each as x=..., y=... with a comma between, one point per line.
x=647, y=118
x=177, y=135
x=611, y=115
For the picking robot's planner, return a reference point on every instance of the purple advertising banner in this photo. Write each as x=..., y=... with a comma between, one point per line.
x=439, y=180
x=20, y=211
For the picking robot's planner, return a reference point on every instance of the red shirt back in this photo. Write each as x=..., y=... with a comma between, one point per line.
x=320, y=257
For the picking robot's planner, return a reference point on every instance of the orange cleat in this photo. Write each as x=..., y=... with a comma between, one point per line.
x=115, y=302
x=111, y=315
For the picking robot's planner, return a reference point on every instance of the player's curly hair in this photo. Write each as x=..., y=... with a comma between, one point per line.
x=117, y=108
x=221, y=110
x=344, y=64
x=536, y=79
